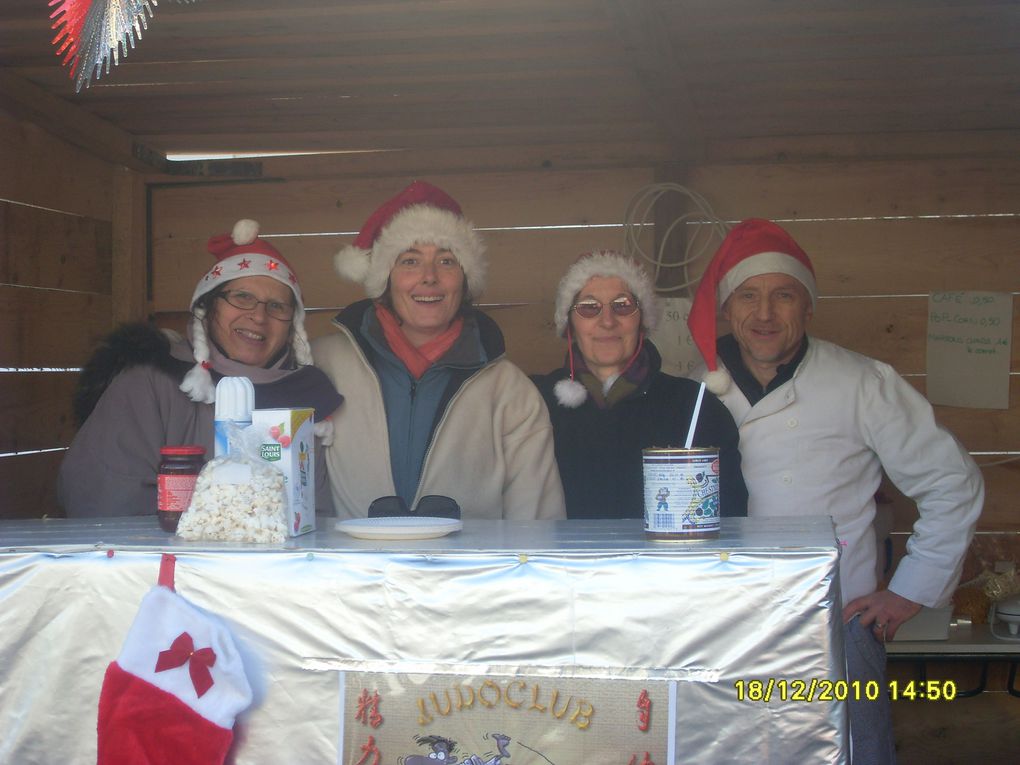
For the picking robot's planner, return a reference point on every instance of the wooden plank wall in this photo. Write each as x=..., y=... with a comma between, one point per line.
x=55, y=302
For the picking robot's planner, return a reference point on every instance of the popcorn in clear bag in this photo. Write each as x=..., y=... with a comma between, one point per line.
x=238, y=498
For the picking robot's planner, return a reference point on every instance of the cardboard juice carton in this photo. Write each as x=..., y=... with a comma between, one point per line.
x=288, y=442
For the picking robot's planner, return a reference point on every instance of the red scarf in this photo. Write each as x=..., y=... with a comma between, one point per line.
x=417, y=360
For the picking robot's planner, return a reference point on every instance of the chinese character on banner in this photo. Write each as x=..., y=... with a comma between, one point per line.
x=368, y=709
x=644, y=705
x=646, y=760
x=370, y=749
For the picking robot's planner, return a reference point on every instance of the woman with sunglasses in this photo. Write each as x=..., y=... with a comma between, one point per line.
x=144, y=389
x=610, y=399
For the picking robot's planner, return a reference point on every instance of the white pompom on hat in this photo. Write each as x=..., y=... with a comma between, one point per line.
x=605, y=263
x=238, y=254
x=420, y=214
x=752, y=248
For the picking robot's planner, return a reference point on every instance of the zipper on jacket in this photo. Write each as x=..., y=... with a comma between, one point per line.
x=410, y=427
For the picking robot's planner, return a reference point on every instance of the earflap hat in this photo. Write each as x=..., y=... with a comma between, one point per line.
x=238, y=254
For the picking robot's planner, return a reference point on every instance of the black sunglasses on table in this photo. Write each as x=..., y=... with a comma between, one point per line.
x=429, y=506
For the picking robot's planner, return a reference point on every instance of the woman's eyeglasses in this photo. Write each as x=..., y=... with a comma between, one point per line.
x=621, y=306
x=248, y=302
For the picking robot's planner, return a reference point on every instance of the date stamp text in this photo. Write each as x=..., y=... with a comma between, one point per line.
x=824, y=690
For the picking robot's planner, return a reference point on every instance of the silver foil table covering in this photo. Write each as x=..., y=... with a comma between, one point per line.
x=588, y=599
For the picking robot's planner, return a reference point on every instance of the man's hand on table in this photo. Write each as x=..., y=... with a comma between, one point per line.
x=884, y=611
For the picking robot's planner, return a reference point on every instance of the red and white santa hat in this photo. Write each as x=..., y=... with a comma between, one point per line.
x=238, y=254
x=420, y=214
x=752, y=248
x=173, y=693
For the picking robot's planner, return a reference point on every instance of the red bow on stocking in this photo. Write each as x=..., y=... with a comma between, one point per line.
x=182, y=651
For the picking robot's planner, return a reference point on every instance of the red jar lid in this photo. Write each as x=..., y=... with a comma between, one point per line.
x=182, y=451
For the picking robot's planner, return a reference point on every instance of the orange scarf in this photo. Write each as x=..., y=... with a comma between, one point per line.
x=417, y=360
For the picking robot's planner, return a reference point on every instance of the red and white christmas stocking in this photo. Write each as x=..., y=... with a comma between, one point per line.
x=172, y=695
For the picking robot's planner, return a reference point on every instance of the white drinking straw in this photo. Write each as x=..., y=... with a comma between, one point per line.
x=694, y=417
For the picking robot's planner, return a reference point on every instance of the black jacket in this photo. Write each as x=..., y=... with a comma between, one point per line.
x=599, y=450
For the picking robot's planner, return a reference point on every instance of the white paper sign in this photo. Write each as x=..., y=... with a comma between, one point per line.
x=969, y=348
x=679, y=353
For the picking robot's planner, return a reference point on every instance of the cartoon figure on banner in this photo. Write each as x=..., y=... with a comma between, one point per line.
x=646, y=760
x=661, y=498
x=443, y=752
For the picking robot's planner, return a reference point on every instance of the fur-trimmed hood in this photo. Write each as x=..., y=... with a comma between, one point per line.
x=129, y=345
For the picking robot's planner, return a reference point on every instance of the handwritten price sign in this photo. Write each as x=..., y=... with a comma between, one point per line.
x=969, y=339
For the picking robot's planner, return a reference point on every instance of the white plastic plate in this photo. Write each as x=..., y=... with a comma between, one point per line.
x=404, y=527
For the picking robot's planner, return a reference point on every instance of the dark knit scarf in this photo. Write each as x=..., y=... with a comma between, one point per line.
x=632, y=378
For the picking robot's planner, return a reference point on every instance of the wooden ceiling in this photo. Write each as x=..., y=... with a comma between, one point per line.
x=657, y=79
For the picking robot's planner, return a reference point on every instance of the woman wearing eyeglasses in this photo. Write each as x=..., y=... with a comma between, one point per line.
x=434, y=407
x=144, y=389
x=610, y=399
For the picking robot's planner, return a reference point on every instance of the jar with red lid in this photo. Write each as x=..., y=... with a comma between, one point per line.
x=178, y=470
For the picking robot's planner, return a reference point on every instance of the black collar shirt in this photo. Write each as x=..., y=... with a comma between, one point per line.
x=729, y=352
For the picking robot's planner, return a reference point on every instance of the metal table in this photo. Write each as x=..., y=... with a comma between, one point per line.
x=966, y=642
x=664, y=652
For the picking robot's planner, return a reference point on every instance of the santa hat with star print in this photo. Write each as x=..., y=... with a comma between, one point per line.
x=608, y=263
x=173, y=693
x=238, y=254
x=420, y=214
x=752, y=248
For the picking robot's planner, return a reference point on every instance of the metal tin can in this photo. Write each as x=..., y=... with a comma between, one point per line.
x=178, y=471
x=681, y=493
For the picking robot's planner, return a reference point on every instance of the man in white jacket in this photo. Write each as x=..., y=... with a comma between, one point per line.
x=818, y=425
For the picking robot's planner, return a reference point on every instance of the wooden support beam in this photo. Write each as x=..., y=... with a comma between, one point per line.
x=130, y=237
x=27, y=101
x=643, y=31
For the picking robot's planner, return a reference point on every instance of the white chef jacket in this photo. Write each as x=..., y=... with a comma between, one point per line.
x=817, y=444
